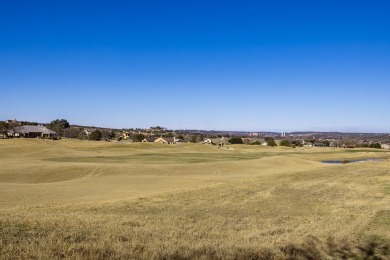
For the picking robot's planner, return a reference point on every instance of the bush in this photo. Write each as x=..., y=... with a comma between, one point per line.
x=376, y=146
x=285, y=143
x=270, y=141
x=193, y=139
x=95, y=135
x=236, y=140
x=256, y=143
x=138, y=137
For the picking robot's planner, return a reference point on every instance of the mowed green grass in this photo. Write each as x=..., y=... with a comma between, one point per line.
x=80, y=199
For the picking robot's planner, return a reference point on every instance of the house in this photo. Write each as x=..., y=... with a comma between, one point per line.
x=208, y=141
x=166, y=140
x=86, y=132
x=385, y=146
x=149, y=139
x=223, y=141
x=3, y=135
x=178, y=140
x=126, y=135
x=12, y=134
x=217, y=141
x=32, y=131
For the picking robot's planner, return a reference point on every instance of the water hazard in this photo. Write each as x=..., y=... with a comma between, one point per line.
x=350, y=161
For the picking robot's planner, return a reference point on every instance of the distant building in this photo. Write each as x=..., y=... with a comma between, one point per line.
x=217, y=141
x=86, y=132
x=32, y=131
x=166, y=140
x=126, y=135
x=149, y=139
x=385, y=146
x=208, y=141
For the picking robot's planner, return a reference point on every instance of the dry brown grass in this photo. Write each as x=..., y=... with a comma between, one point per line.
x=74, y=199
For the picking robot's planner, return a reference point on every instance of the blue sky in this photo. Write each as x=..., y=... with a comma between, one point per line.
x=223, y=65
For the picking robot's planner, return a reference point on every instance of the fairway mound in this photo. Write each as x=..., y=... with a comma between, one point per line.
x=36, y=176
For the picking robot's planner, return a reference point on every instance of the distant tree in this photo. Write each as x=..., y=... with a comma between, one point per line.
x=13, y=124
x=108, y=134
x=169, y=135
x=270, y=141
x=246, y=141
x=297, y=143
x=193, y=139
x=62, y=122
x=138, y=137
x=95, y=135
x=236, y=140
x=376, y=145
x=27, y=123
x=111, y=134
x=59, y=125
x=256, y=143
x=285, y=143
x=180, y=137
x=4, y=126
x=72, y=132
x=201, y=138
x=326, y=143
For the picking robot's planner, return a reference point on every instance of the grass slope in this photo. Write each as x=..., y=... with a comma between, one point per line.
x=77, y=199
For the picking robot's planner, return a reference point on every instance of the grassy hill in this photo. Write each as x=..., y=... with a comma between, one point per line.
x=80, y=199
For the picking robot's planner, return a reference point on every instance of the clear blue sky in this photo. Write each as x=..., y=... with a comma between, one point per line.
x=232, y=65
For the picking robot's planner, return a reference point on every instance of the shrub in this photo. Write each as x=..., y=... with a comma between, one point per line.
x=285, y=143
x=138, y=137
x=95, y=135
x=193, y=139
x=270, y=141
x=376, y=146
x=236, y=140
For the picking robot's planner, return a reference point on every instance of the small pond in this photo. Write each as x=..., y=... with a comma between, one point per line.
x=350, y=161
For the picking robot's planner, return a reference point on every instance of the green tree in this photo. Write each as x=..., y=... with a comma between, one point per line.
x=285, y=143
x=95, y=135
x=256, y=143
x=326, y=143
x=4, y=126
x=62, y=122
x=297, y=143
x=236, y=140
x=270, y=141
x=180, y=137
x=59, y=125
x=376, y=146
x=169, y=135
x=193, y=139
x=138, y=137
